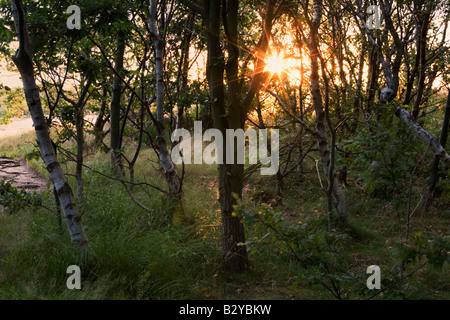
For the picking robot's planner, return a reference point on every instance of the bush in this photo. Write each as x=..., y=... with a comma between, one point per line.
x=13, y=199
x=385, y=153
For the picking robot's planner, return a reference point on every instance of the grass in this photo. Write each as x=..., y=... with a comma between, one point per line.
x=137, y=256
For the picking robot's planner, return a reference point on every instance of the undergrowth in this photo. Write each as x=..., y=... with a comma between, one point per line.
x=136, y=255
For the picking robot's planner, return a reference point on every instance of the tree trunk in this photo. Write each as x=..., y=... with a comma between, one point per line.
x=424, y=135
x=139, y=146
x=101, y=120
x=422, y=52
x=172, y=179
x=374, y=71
x=357, y=102
x=115, y=103
x=412, y=75
x=184, y=69
x=24, y=62
x=230, y=176
x=322, y=138
x=429, y=195
x=79, y=107
x=80, y=153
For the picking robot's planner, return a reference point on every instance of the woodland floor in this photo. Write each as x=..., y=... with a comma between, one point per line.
x=19, y=171
x=146, y=261
x=23, y=175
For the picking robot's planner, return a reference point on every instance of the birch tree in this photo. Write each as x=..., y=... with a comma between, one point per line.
x=391, y=71
x=322, y=137
x=23, y=59
x=158, y=35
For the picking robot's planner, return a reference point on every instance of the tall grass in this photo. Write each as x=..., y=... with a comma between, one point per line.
x=136, y=255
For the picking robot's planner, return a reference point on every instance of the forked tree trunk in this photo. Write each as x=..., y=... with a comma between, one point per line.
x=322, y=138
x=24, y=62
x=388, y=94
x=230, y=176
x=231, y=114
x=170, y=171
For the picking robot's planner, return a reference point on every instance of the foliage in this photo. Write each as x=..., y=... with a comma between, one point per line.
x=12, y=105
x=317, y=253
x=321, y=256
x=385, y=153
x=14, y=199
x=137, y=256
x=435, y=249
x=143, y=260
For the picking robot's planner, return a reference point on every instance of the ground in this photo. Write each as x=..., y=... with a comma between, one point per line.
x=23, y=175
x=138, y=258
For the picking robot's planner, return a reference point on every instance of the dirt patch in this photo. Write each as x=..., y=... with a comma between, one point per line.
x=23, y=175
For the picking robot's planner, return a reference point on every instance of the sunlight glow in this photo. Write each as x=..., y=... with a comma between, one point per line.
x=275, y=64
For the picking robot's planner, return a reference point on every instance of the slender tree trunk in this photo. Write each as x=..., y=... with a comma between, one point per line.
x=100, y=121
x=115, y=103
x=422, y=52
x=24, y=62
x=172, y=179
x=279, y=175
x=184, y=68
x=55, y=194
x=80, y=153
x=79, y=107
x=374, y=71
x=357, y=103
x=322, y=138
x=412, y=74
x=139, y=146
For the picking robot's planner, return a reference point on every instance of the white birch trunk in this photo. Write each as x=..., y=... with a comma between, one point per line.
x=173, y=181
x=24, y=62
x=322, y=138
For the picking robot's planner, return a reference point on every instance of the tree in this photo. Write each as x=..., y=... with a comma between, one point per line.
x=23, y=59
x=173, y=181
x=430, y=192
x=322, y=114
x=115, y=108
x=391, y=73
x=230, y=110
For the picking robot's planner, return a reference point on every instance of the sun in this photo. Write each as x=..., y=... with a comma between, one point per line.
x=275, y=64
